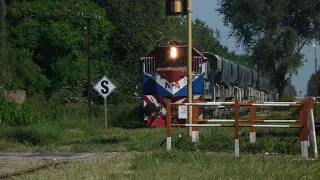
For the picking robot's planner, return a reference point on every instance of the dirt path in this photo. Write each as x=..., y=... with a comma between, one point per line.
x=17, y=163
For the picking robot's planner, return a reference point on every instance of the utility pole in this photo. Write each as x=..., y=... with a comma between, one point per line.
x=89, y=61
x=189, y=67
x=88, y=20
x=184, y=7
x=316, y=70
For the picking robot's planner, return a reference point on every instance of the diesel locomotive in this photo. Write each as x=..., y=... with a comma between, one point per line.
x=214, y=78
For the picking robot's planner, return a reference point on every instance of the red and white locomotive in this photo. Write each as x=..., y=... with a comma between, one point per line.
x=214, y=79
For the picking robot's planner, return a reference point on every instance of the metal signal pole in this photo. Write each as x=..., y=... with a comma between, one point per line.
x=189, y=69
x=89, y=62
x=316, y=70
x=88, y=20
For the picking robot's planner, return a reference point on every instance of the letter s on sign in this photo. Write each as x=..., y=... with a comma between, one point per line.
x=104, y=84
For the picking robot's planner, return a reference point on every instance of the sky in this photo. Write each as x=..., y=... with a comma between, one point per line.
x=205, y=10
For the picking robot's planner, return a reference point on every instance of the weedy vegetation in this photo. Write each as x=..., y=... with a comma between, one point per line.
x=41, y=126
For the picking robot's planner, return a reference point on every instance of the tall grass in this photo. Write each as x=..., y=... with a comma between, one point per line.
x=317, y=113
x=13, y=114
x=125, y=115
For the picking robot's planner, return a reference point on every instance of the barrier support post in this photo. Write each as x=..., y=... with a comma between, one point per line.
x=195, y=116
x=252, y=118
x=303, y=130
x=236, y=128
x=168, y=121
x=312, y=130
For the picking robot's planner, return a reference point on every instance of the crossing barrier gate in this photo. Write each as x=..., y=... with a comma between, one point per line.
x=305, y=107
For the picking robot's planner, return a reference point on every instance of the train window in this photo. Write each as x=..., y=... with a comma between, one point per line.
x=207, y=68
x=197, y=65
x=149, y=65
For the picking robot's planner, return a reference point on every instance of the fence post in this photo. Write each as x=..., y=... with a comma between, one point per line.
x=168, y=121
x=252, y=119
x=195, y=116
x=236, y=128
x=312, y=130
x=303, y=130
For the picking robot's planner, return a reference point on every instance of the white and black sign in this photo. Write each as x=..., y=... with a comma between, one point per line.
x=104, y=87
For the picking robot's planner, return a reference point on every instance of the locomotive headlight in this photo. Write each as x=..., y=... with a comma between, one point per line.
x=173, y=52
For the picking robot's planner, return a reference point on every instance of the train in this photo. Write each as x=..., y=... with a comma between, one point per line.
x=214, y=79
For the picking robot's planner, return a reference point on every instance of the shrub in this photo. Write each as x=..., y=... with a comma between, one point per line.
x=14, y=114
x=126, y=116
x=316, y=112
x=32, y=136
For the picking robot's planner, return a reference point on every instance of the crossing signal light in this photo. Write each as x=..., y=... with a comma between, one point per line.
x=176, y=7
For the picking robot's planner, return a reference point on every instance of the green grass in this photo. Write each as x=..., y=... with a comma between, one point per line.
x=176, y=165
x=68, y=128
x=92, y=137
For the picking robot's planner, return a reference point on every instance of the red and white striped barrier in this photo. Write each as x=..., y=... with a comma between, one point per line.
x=216, y=120
x=206, y=104
x=276, y=104
x=278, y=121
x=285, y=104
x=304, y=108
x=258, y=121
x=271, y=125
x=202, y=125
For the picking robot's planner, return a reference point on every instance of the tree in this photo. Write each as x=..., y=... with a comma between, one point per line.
x=4, y=75
x=140, y=26
x=277, y=58
x=243, y=59
x=311, y=85
x=47, y=45
x=289, y=92
x=273, y=32
x=203, y=38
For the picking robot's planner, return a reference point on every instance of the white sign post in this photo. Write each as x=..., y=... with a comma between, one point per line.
x=104, y=87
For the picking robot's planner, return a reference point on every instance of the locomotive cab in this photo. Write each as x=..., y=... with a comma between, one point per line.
x=165, y=69
x=165, y=76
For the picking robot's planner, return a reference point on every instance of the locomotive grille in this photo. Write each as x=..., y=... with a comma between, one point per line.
x=179, y=63
x=182, y=62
